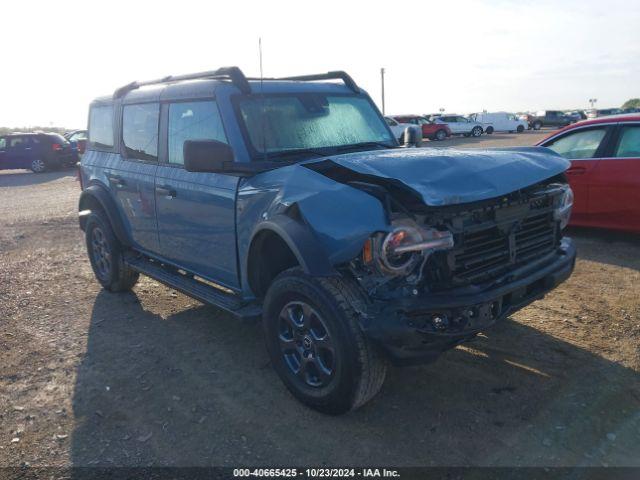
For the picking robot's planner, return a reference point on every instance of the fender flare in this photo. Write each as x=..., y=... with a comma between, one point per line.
x=97, y=193
x=301, y=241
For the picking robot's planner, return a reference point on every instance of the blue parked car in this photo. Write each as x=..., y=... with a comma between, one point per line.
x=36, y=151
x=291, y=200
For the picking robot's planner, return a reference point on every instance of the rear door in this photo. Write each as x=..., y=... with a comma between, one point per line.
x=132, y=177
x=454, y=126
x=17, y=152
x=614, y=195
x=3, y=150
x=196, y=211
x=584, y=147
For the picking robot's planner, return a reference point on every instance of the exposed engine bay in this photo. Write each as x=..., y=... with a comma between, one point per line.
x=431, y=249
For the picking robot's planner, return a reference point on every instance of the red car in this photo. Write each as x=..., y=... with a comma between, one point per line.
x=605, y=170
x=430, y=130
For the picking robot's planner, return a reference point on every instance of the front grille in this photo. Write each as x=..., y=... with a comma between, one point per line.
x=485, y=254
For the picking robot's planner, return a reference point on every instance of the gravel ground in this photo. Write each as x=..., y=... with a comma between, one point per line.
x=155, y=378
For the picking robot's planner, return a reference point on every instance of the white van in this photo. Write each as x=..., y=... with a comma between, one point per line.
x=500, y=122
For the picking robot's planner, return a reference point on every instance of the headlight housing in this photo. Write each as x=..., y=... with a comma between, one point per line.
x=400, y=250
x=562, y=212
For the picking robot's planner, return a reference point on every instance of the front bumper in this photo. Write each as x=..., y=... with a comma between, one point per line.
x=417, y=329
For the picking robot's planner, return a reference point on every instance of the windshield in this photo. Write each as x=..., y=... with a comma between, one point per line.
x=277, y=124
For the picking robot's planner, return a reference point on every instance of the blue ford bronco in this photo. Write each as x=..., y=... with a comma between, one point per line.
x=290, y=199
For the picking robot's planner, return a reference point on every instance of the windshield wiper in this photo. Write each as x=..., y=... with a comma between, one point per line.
x=298, y=152
x=356, y=146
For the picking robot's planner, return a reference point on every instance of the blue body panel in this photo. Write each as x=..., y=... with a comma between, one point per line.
x=197, y=227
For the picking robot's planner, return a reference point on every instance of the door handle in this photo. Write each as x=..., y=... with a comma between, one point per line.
x=576, y=171
x=116, y=180
x=166, y=191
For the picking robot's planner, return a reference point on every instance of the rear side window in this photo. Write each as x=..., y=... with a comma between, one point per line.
x=193, y=121
x=580, y=144
x=18, y=142
x=140, y=130
x=3, y=143
x=101, y=127
x=629, y=144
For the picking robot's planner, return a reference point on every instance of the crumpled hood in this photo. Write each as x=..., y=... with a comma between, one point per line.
x=448, y=176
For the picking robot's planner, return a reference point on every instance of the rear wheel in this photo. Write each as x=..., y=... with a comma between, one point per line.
x=106, y=255
x=476, y=131
x=441, y=135
x=537, y=125
x=489, y=130
x=520, y=129
x=316, y=344
x=38, y=165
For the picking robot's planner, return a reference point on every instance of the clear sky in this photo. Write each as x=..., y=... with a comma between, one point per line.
x=459, y=55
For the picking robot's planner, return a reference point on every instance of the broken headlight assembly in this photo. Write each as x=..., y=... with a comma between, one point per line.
x=398, y=252
x=562, y=212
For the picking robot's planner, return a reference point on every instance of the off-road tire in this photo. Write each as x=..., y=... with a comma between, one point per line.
x=359, y=369
x=118, y=277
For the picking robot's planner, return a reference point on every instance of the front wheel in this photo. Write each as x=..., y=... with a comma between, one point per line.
x=441, y=135
x=316, y=344
x=489, y=130
x=476, y=132
x=520, y=129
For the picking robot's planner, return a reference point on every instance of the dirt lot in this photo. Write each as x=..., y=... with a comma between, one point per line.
x=155, y=378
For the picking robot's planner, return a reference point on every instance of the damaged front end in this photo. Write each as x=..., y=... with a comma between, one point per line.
x=443, y=243
x=443, y=274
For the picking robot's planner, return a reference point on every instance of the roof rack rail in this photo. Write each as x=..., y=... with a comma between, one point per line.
x=232, y=73
x=338, y=74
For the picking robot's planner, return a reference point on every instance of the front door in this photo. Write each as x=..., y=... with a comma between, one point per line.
x=583, y=147
x=196, y=211
x=614, y=195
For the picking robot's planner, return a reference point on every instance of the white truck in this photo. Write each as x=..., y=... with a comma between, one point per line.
x=500, y=122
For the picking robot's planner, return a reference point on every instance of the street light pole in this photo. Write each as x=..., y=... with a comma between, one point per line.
x=382, y=81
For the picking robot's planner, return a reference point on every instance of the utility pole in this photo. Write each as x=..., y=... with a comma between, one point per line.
x=382, y=80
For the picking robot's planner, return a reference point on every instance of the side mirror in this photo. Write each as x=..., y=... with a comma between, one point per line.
x=411, y=137
x=207, y=156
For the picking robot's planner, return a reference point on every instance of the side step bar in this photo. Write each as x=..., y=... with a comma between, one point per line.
x=194, y=288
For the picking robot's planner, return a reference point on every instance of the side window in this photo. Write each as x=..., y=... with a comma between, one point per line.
x=3, y=143
x=193, y=121
x=629, y=143
x=580, y=144
x=390, y=122
x=140, y=130
x=101, y=127
x=17, y=142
